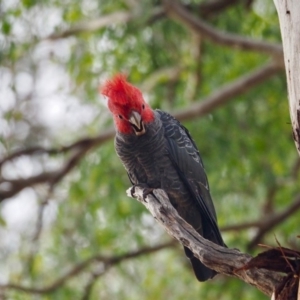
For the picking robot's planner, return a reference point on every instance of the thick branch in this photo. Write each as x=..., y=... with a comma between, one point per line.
x=223, y=260
x=106, y=261
x=180, y=13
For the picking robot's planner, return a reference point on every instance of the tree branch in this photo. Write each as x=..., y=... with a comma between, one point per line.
x=215, y=6
x=179, y=12
x=204, y=9
x=93, y=25
x=82, y=143
x=223, y=260
x=89, y=286
x=107, y=261
x=11, y=187
x=115, y=18
x=268, y=223
x=264, y=225
x=241, y=226
x=223, y=94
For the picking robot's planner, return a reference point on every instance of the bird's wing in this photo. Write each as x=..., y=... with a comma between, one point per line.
x=186, y=159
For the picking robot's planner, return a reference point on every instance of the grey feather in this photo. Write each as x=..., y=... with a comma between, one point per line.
x=166, y=157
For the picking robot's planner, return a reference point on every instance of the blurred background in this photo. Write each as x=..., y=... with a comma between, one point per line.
x=67, y=228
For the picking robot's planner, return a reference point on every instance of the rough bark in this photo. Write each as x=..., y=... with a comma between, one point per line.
x=289, y=19
x=223, y=260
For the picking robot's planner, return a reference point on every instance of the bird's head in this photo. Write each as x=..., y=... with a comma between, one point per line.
x=126, y=103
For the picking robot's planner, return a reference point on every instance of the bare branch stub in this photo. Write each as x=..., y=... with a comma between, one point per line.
x=223, y=260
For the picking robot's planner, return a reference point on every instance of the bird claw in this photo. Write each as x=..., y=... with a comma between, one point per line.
x=147, y=191
x=144, y=187
x=132, y=192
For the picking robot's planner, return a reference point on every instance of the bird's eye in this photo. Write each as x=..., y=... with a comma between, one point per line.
x=120, y=116
x=143, y=106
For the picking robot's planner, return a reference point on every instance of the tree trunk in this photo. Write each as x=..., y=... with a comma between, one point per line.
x=289, y=18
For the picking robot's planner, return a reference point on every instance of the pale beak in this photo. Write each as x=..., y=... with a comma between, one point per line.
x=137, y=123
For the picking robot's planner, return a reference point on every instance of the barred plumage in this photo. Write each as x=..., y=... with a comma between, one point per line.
x=166, y=157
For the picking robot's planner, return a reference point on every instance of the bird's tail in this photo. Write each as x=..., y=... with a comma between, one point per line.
x=202, y=272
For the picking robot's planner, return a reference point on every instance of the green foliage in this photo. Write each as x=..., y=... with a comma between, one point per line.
x=246, y=145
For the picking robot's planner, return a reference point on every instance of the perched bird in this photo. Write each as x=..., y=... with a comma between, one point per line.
x=157, y=151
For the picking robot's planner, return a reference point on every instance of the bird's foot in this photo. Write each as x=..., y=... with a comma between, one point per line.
x=144, y=187
x=147, y=191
